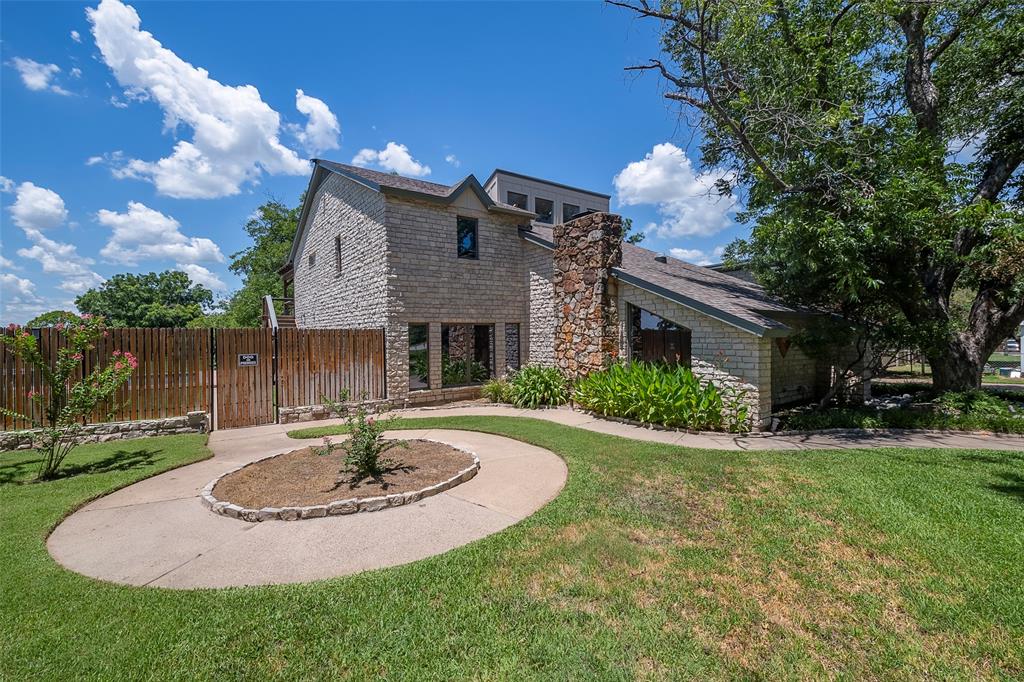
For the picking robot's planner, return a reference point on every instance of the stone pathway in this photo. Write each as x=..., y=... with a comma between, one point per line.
x=156, y=532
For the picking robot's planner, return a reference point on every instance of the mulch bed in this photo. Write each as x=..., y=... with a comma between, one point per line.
x=304, y=478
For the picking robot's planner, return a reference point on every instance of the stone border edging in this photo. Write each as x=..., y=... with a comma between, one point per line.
x=335, y=507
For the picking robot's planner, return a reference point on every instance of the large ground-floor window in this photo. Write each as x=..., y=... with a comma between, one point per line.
x=652, y=338
x=419, y=357
x=467, y=354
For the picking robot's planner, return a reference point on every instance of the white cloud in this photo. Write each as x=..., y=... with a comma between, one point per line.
x=322, y=129
x=19, y=299
x=7, y=263
x=201, y=275
x=235, y=133
x=75, y=72
x=38, y=76
x=143, y=233
x=686, y=201
x=394, y=157
x=6, y=184
x=697, y=256
x=76, y=36
x=453, y=160
x=60, y=258
x=37, y=208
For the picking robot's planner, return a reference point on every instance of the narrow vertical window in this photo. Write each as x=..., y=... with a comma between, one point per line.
x=419, y=357
x=467, y=238
x=545, y=210
x=337, y=255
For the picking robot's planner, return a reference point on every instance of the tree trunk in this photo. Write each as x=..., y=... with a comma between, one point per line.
x=955, y=368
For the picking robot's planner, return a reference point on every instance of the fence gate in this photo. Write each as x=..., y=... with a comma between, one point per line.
x=245, y=377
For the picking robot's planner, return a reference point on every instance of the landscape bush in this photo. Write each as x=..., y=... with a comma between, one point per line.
x=497, y=390
x=658, y=394
x=968, y=411
x=535, y=386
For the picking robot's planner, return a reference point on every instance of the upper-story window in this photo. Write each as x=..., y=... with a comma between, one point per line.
x=518, y=200
x=337, y=255
x=545, y=210
x=568, y=211
x=312, y=259
x=467, y=238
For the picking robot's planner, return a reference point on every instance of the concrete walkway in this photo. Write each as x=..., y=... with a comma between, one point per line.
x=725, y=441
x=156, y=532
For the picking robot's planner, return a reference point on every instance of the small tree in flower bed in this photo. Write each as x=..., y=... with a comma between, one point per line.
x=364, y=447
x=67, y=401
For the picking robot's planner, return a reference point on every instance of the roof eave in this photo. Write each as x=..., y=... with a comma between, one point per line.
x=748, y=326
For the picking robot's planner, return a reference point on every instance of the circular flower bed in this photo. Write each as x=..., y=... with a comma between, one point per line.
x=303, y=484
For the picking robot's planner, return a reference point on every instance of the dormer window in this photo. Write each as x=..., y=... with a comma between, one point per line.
x=467, y=238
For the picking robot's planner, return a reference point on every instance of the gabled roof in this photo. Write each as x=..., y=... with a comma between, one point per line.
x=394, y=185
x=731, y=300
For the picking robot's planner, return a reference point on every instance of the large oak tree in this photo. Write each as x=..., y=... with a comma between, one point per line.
x=878, y=145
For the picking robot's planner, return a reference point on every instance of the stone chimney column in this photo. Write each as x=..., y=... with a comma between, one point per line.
x=586, y=327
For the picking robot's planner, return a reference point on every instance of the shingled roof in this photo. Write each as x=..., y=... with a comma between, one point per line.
x=734, y=301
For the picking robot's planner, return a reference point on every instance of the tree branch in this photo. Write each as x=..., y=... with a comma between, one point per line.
x=644, y=10
x=954, y=34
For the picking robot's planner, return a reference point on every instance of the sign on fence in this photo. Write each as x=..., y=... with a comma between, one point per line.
x=180, y=370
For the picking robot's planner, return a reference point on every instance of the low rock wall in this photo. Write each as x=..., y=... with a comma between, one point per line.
x=193, y=422
x=309, y=413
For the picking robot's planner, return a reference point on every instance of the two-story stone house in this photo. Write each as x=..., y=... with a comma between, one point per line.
x=471, y=281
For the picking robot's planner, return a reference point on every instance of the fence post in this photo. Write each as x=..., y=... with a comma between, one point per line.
x=277, y=401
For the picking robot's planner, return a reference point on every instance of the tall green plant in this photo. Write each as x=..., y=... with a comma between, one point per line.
x=658, y=394
x=66, y=402
x=534, y=386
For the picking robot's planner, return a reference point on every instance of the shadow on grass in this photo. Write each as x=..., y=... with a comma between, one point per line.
x=1014, y=485
x=24, y=471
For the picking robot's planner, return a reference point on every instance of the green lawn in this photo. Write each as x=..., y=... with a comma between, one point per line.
x=654, y=562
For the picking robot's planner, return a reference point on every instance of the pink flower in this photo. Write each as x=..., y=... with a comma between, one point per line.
x=118, y=365
x=131, y=359
x=32, y=394
x=117, y=353
x=12, y=327
x=105, y=333
x=76, y=356
x=87, y=316
x=59, y=326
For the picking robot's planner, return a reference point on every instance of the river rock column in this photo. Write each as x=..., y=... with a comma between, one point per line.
x=586, y=326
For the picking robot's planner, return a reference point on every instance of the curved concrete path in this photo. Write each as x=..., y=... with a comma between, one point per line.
x=723, y=441
x=156, y=532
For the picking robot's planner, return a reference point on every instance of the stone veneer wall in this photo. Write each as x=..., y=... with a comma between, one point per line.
x=586, y=332
x=540, y=335
x=193, y=422
x=722, y=353
x=429, y=283
x=355, y=298
x=796, y=377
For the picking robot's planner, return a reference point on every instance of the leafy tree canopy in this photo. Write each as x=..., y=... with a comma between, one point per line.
x=272, y=229
x=878, y=145
x=52, y=318
x=166, y=299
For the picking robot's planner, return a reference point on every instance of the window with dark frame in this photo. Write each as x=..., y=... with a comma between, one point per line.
x=568, y=211
x=312, y=259
x=337, y=255
x=467, y=238
x=545, y=210
x=518, y=200
x=653, y=338
x=467, y=354
x=419, y=357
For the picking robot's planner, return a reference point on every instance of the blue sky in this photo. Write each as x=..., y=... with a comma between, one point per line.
x=138, y=137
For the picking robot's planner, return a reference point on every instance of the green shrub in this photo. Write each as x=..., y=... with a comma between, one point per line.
x=497, y=391
x=658, y=394
x=534, y=386
x=462, y=372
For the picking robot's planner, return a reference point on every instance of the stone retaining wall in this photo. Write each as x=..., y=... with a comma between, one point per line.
x=308, y=413
x=193, y=422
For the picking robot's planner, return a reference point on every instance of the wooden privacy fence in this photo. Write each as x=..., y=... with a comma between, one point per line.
x=241, y=376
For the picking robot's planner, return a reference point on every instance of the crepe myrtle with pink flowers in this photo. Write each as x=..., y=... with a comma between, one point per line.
x=66, y=401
